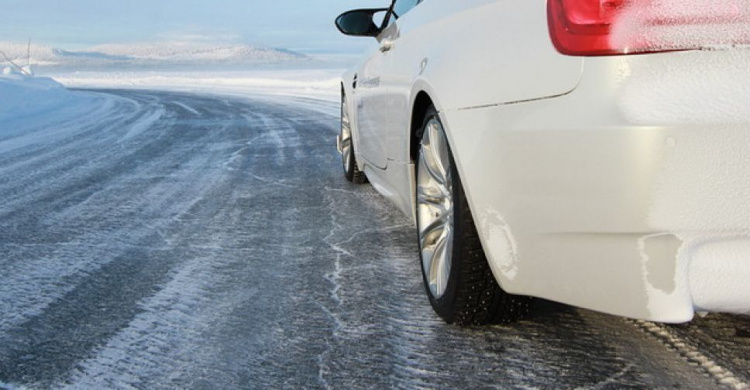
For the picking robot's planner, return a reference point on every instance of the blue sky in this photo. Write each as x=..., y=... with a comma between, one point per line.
x=304, y=25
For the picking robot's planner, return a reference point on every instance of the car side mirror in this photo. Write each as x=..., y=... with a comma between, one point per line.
x=359, y=22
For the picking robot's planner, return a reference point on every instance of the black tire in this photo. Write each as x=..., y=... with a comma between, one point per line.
x=348, y=157
x=471, y=295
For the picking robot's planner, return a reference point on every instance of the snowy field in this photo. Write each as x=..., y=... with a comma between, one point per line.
x=26, y=101
x=322, y=84
x=227, y=70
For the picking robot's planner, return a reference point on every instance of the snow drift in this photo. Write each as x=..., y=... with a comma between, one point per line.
x=29, y=100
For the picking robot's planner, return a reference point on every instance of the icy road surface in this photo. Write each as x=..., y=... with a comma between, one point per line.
x=164, y=240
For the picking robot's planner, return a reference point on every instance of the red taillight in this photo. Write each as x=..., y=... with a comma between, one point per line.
x=583, y=27
x=610, y=27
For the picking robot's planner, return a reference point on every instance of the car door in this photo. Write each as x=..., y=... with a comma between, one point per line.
x=372, y=107
x=397, y=75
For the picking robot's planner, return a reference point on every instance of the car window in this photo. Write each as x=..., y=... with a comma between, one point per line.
x=403, y=6
x=400, y=8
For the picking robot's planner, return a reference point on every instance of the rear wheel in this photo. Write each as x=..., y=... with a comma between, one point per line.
x=349, y=161
x=457, y=277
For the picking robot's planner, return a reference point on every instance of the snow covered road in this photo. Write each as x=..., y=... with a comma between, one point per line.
x=168, y=240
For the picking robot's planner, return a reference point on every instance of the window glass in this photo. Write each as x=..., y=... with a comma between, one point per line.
x=403, y=6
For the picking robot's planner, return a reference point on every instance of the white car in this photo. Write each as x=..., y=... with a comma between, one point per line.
x=590, y=152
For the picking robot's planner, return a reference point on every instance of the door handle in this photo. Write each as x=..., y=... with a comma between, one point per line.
x=386, y=45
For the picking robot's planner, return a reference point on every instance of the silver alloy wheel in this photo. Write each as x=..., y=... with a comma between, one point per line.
x=346, y=136
x=435, y=207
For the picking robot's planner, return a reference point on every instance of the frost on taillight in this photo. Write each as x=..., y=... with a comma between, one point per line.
x=610, y=27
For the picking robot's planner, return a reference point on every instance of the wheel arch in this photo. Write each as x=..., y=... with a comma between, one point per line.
x=425, y=97
x=422, y=102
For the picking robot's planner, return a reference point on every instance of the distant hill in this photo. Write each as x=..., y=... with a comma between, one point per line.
x=149, y=55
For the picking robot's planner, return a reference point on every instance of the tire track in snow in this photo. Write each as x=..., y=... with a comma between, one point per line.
x=70, y=209
x=134, y=350
x=692, y=354
x=44, y=290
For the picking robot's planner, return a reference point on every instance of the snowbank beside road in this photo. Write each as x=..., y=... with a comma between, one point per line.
x=28, y=100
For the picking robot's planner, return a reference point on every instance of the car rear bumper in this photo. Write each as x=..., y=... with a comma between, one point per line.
x=630, y=195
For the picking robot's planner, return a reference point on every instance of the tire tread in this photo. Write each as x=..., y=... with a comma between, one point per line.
x=355, y=175
x=479, y=298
